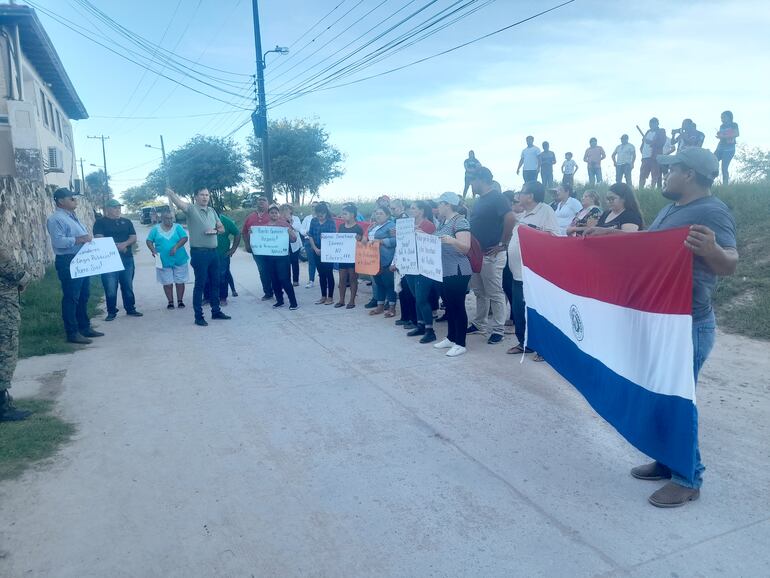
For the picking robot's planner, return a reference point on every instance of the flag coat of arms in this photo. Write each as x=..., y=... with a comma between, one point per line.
x=613, y=315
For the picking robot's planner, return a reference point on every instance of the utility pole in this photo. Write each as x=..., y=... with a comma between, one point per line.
x=259, y=117
x=104, y=160
x=82, y=175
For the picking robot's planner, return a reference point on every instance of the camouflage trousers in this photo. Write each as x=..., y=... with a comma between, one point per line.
x=10, y=319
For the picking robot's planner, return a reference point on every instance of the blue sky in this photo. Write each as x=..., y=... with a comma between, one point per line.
x=592, y=68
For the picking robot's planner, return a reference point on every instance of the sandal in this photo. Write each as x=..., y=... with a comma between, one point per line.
x=170, y=305
x=180, y=305
x=518, y=349
x=390, y=313
x=338, y=305
x=350, y=306
x=538, y=357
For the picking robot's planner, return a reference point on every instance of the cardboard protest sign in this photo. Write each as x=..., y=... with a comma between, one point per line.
x=338, y=247
x=429, y=256
x=269, y=241
x=406, y=249
x=97, y=257
x=368, y=258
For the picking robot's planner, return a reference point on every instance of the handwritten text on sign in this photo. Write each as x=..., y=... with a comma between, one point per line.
x=269, y=241
x=406, y=250
x=338, y=247
x=429, y=256
x=97, y=257
x=368, y=258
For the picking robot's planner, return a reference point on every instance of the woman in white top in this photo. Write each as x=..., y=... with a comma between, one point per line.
x=566, y=207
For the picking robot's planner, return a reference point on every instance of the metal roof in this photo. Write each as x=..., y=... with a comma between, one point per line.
x=39, y=50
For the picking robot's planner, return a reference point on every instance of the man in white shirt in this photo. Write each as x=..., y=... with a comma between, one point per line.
x=529, y=161
x=623, y=158
x=539, y=216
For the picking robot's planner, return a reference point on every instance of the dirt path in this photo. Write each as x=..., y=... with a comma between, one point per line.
x=325, y=443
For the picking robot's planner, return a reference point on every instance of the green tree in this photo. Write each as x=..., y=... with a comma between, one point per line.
x=215, y=163
x=755, y=164
x=98, y=189
x=301, y=157
x=136, y=197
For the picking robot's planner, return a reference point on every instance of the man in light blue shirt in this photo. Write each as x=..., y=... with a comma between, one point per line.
x=68, y=235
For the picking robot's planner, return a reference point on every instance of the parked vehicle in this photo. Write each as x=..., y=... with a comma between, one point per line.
x=149, y=216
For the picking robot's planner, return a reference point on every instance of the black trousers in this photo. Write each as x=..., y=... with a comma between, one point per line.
x=453, y=291
x=294, y=259
x=280, y=277
x=407, y=301
x=205, y=264
x=508, y=285
x=517, y=310
x=325, y=276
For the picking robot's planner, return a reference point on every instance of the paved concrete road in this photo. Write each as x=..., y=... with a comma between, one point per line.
x=323, y=442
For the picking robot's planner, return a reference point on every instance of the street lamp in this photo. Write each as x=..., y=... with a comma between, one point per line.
x=282, y=50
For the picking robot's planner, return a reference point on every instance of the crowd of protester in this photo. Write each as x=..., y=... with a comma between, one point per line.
x=480, y=250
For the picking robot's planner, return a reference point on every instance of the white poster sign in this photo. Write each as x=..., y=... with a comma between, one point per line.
x=97, y=257
x=406, y=249
x=338, y=247
x=269, y=241
x=429, y=256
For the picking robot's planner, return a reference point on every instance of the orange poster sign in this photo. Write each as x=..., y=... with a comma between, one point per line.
x=368, y=258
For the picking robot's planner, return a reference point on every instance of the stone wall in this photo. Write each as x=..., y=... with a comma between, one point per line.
x=24, y=207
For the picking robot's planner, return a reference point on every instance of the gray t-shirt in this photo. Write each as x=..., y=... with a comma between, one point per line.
x=452, y=261
x=200, y=219
x=714, y=214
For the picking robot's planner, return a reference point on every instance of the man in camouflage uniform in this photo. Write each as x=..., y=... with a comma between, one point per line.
x=13, y=280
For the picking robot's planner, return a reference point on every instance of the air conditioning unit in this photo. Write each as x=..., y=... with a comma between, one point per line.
x=55, y=161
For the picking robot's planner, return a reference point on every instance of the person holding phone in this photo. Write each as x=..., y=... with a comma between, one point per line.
x=203, y=225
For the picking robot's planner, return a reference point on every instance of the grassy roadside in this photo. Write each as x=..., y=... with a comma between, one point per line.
x=36, y=438
x=41, y=326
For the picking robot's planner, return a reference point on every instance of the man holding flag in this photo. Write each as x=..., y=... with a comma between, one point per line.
x=711, y=239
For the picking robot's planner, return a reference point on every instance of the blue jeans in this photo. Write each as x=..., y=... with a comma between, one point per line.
x=124, y=279
x=421, y=288
x=74, y=299
x=703, y=338
x=546, y=176
x=621, y=172
x=310, y=261
x=724, y=156
x=594, y=174
x=224, y=275
x=530, y=176
x=386, y=291
x=205, y=264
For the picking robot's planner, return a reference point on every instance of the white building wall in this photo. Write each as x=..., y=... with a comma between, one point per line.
x=37, y=122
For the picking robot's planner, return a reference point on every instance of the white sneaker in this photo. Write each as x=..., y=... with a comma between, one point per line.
x=455, y=351
x=446, y=344
x=309, y=285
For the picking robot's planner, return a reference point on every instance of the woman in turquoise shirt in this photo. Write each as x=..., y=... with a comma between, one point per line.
x=166, y=241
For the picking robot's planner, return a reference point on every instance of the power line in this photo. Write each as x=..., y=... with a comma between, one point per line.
x=442, y=53
x=359, y=48
x=144, y=42
x=157, y=54
x=320, y=48
x=308, y=31
x=425, y=24
x=64, y=22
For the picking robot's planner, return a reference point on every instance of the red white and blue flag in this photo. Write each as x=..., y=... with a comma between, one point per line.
x=612, y=315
